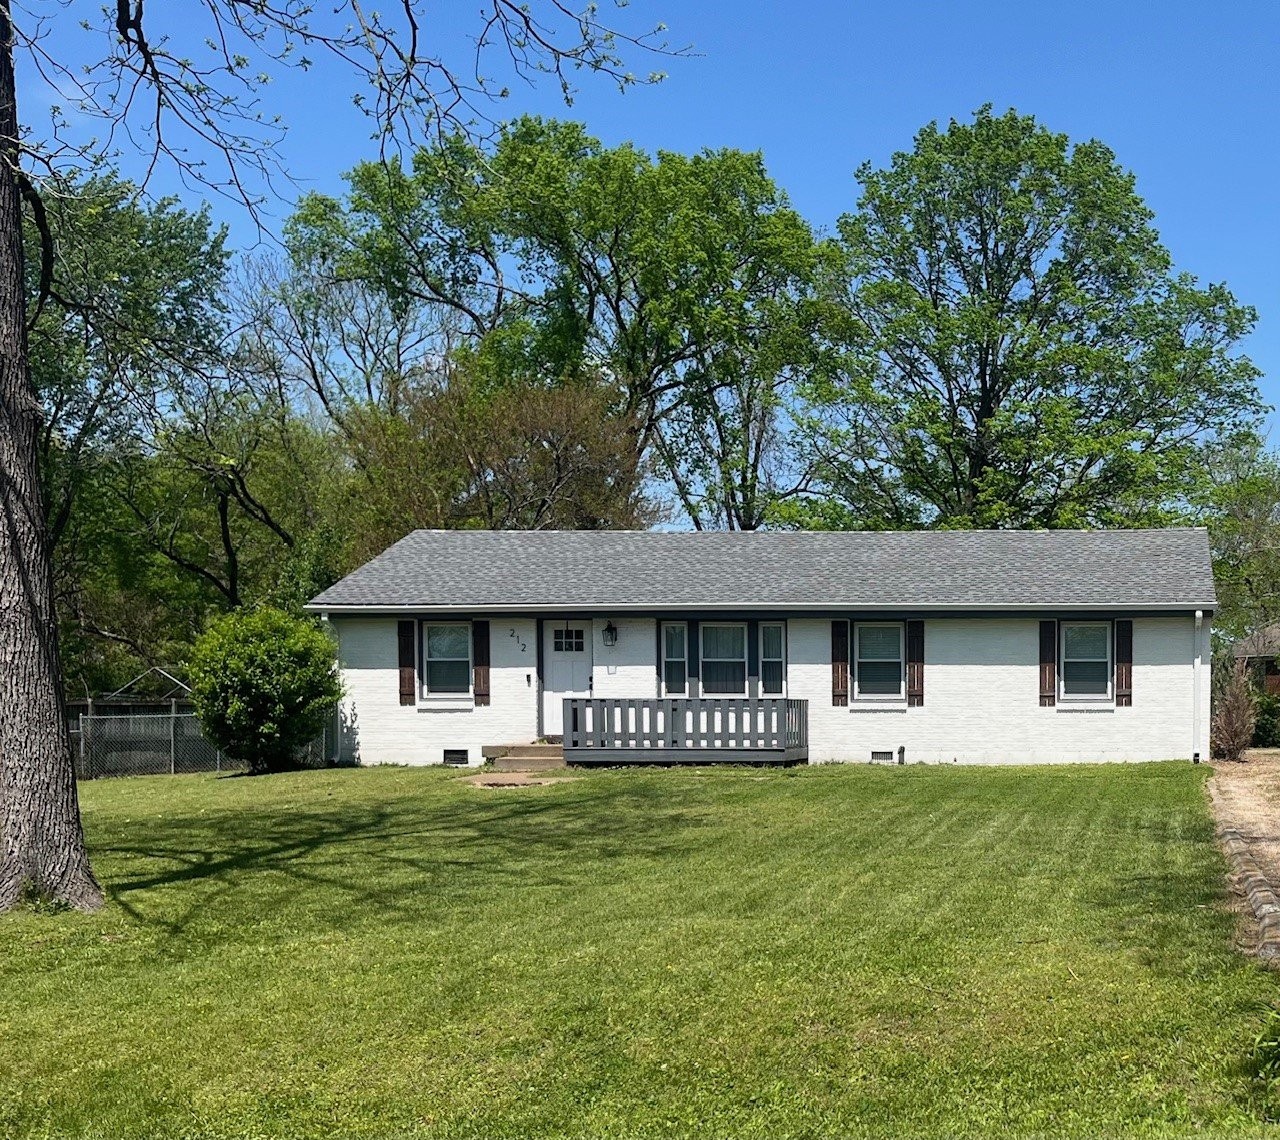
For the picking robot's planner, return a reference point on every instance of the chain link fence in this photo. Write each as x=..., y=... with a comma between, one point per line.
x=137, y=743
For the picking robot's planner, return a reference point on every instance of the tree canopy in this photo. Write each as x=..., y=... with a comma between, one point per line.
x=1018, y=349
x=687, y=281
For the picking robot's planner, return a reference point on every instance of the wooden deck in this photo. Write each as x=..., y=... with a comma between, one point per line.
x=709, y=730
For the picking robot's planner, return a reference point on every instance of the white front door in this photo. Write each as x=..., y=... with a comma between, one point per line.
x=566, y=669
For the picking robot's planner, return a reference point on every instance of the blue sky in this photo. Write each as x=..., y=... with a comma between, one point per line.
x=1187, y=95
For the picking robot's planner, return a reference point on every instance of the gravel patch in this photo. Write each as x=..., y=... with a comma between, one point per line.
x=1246, y=806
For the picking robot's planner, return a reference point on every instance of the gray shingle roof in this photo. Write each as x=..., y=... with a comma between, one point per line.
x=689, y=570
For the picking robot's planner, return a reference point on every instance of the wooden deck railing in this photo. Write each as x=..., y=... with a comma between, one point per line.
x=694, y=730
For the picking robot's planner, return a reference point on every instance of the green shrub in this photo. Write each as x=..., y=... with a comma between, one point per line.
x=1266, y=732
x=264, y=683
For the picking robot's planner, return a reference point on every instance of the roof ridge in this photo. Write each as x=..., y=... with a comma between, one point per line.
x=1011, y=531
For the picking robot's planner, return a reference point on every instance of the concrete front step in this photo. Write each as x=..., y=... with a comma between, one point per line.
x=519, y=762
x=524, y=757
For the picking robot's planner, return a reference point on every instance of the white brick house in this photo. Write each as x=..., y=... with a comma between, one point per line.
x=984, y=647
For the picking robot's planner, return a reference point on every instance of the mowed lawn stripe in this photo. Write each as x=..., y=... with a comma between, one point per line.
x=816, y=952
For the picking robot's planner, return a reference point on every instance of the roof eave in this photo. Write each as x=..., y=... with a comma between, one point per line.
x=793, y=607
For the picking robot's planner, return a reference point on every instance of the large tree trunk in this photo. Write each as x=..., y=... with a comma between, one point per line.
x=42, y=850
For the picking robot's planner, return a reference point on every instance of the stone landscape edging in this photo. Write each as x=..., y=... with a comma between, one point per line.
x=1257, y=889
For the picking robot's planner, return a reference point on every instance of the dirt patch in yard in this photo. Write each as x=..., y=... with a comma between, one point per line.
x=514, y=780
x=1246, y=806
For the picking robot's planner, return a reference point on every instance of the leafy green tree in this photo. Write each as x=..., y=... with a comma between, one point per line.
x=1242, y=509
x=1019, y=350
x=469, y=454
x=122, y=607
x=264, y=683
x=686, y=281
x=132, y=314
x=130, y=317
x=235, y=499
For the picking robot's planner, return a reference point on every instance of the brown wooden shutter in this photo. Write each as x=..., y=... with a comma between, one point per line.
x=915, y=663
x=1124, y=662
x=1048, y=663
x=480, y=661
x=408, y=665
x=839, y=662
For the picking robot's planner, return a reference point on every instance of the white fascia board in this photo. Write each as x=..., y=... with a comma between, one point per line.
x=790, y=607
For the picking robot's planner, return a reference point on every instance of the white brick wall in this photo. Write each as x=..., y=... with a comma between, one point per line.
x=628, y=669
x=377, y=729
x=981, y=706
x=981, y=695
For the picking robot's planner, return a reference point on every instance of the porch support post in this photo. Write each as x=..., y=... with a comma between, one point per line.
x=538, y=674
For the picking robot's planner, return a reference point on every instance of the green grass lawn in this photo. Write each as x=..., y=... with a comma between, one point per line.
x=817, y=952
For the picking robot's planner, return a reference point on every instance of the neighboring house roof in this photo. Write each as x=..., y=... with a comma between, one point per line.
x=705, y=570
x=1264, y=642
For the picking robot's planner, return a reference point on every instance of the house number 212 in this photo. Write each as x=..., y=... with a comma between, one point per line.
x=516, y=637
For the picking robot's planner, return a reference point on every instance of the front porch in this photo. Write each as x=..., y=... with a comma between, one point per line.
x=710, y=730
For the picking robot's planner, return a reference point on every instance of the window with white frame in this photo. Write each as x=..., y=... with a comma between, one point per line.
x=675, y=659
x=1086, y=659
x=724, y=660
x=877, y=660
x=773, y=658
x=446, y=652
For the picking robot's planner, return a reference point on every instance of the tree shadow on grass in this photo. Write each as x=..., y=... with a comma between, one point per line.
x=1168, y=917
x=396, y=861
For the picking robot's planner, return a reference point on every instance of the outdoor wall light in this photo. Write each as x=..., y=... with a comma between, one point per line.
x=609, y=635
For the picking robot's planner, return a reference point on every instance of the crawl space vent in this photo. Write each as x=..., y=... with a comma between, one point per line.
x=881, y=757
x=455, y=757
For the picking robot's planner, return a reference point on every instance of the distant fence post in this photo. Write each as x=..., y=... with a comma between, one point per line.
x=173, y=727
x=84, y=768
x=86, y=749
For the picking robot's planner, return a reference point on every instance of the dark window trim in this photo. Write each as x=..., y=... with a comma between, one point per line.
x=746, y=657
x=781, y=624
x=663, y=626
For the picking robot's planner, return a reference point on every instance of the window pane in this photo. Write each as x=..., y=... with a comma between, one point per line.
x=879, y=677
x=724, y=677
x=879, y=641
x=674, y=672
x=568, y=641
x=448, y=641
x=724, y=641
x=1085, y=641
x=771, y=676
x=673, y=639
x=1085, y=678
x=771, y=641
x=448, y=677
